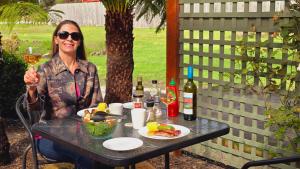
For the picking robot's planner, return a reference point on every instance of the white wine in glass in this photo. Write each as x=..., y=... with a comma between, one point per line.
x=31, y=60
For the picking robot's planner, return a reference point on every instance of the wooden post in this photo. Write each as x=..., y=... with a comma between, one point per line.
x=173, y=41
x=173, y=46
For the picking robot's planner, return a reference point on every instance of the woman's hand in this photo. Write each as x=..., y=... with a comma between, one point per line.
x=31, y=78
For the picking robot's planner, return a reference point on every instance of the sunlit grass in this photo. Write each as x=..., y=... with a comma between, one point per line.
x=149, y=49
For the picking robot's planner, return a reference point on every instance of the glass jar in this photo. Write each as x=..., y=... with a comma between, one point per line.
x=150, y=110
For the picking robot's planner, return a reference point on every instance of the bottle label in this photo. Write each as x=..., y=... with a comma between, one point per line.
x=139, y=92
x=137, y=105
x=171, y=96
x=187, y=103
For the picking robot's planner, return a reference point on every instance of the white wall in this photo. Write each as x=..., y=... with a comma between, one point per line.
x=92, y=13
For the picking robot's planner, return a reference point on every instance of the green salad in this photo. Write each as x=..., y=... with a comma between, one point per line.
x=99, y=128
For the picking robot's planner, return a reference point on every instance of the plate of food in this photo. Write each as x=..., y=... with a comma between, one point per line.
x=100, y=109
x=82, y=112
x=162, y=131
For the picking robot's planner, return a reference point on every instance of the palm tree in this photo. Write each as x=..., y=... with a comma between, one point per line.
x=12, y=12
x=119, y=42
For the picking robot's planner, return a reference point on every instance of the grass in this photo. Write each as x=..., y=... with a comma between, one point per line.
x=149, y=49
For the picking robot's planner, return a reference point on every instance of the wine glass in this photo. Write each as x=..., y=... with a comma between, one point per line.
x=31, y=60
x=167, y=100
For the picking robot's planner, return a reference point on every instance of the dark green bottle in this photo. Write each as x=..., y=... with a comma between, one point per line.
x=139, y=89
x=190, y=97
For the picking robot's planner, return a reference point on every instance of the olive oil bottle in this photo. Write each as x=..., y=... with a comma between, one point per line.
x=139, y=89
x=190, y=97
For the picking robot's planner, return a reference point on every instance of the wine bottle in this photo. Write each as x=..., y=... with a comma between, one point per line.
x=139, y=89
x=190, y=97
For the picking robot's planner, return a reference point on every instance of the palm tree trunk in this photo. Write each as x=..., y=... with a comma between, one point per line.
x=119, y=48
x=4, y=144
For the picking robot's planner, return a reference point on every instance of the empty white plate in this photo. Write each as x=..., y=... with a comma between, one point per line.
x=122, y=143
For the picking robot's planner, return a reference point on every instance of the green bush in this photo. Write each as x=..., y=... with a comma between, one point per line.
x=12, y=84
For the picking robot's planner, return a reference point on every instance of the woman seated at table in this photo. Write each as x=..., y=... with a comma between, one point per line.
x=62, y=86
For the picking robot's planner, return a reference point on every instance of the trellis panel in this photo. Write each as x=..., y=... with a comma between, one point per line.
x=210, y=32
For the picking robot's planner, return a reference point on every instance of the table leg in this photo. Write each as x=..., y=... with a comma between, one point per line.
x=167, y=161
x=133, y=166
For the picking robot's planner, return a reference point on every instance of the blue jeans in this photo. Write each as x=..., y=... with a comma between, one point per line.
x=57, y=152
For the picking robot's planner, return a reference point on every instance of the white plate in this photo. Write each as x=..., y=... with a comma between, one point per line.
x=184, y=131
x=122, y=143
x=81, y=112
x=129, y=105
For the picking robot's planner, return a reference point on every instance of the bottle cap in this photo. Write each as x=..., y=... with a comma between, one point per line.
x=190, y=72
x=150, y=103
x=139, y=78
x=172, y=82
x=154, y=81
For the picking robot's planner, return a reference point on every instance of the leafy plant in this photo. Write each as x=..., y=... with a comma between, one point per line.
x=27, y=11
x=12, y=84
x=263, y=78
x=286, y=118
x=11, y=44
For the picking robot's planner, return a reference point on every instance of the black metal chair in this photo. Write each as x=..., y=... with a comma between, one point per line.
x=295, y=158
x=28, y=122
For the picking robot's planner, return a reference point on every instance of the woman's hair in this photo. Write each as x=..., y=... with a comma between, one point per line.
x=80, y=53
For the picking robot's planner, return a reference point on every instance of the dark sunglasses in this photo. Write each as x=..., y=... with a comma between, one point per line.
x=74, y=35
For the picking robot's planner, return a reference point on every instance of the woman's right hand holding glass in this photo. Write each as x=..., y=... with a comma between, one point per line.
x=31, y=78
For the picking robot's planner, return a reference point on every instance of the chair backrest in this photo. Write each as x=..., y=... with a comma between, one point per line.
x=295, y=158
x=21, y=112
x=27, y=118
x=27, y=123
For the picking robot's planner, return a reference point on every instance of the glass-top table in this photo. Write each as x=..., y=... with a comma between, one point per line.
x=70, y=133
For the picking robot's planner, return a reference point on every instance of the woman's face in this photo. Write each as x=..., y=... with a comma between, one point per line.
x=67, y=39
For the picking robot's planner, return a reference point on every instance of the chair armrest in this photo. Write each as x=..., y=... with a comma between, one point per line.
x=294, y=158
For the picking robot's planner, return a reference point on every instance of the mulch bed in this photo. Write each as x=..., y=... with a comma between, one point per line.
x=19, y=141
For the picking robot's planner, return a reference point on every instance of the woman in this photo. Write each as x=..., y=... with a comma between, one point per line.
x=62, y=86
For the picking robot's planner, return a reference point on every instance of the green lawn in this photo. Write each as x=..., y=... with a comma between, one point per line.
x=149, y=49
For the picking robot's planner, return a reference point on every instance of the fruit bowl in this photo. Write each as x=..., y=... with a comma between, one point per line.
x=101, y=129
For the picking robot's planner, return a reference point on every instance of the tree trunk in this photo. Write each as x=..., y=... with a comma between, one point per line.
x=4, y=144
x=119, y=45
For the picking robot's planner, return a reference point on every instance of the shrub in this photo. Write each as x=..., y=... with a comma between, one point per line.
x=12, y=84
x=11, y=44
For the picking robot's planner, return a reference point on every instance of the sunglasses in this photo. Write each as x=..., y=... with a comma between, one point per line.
x=74, y=35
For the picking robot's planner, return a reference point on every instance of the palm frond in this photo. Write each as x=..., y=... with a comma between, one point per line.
x=13, y=13
x=151, y=9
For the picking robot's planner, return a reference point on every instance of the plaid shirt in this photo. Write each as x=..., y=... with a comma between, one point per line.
x=61, y=94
